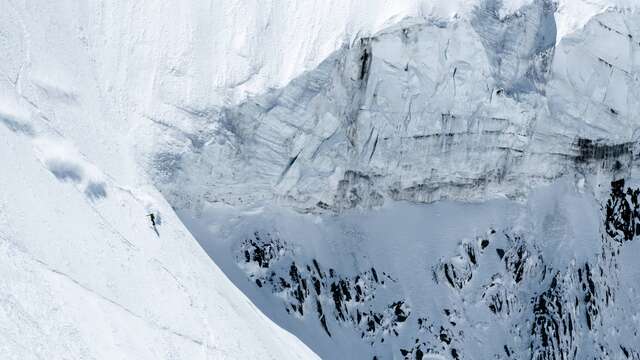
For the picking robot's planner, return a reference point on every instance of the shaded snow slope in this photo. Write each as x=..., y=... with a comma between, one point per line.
x=85, y=275
x=551, y=278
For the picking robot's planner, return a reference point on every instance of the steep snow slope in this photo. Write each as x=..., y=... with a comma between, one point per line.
x=86, y=276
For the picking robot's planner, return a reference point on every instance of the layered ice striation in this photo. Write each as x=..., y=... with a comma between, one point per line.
x=470, y=108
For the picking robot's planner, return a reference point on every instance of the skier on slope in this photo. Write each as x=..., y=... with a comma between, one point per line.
x=152, y=217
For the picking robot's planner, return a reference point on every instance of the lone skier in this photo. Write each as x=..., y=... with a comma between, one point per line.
x=152, y=217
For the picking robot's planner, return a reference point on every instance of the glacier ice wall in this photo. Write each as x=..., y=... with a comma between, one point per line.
x=550, y=278
x=469, y=109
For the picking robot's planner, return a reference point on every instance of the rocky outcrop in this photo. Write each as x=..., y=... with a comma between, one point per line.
x=548, y=310
x=309, y=288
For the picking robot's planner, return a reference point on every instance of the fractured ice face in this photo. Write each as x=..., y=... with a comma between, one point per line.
x=460, y=109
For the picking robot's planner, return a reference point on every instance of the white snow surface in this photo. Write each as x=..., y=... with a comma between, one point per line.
x=109, y=107
x=86, y=277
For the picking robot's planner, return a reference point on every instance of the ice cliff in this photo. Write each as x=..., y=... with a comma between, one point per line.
x=467, y=108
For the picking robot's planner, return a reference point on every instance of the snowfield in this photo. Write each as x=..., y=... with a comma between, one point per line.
x=86, y=277
x=413, y=179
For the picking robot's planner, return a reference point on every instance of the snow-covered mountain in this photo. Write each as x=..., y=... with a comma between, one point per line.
x=386, y=180
x=85, y=275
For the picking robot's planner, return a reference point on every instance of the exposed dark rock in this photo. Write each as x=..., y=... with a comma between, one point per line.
x=515, y=259
x=349, y=299
x=622, y=222
x=598, y=151
x=550, y=336
x=262, y=250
